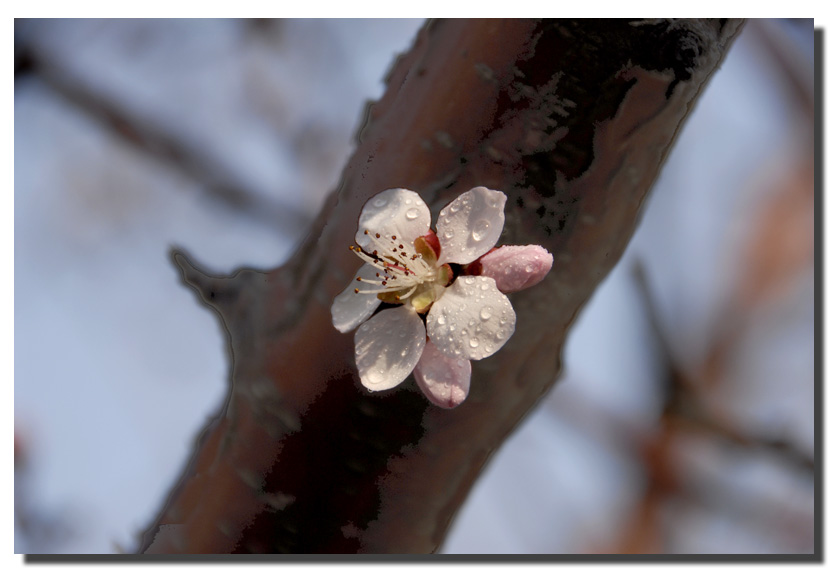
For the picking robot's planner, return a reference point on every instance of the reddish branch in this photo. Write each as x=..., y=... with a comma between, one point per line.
x=572, y=120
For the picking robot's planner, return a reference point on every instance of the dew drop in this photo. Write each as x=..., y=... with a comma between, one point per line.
x=374, y=377
x=469, y=280
x=480, y=229
x=528, y=268
x=472, y=322
x=412, y=213
x=408, y=201
x=486, y=313
x=459, y=363
x=500, y=335
x=452, y=327
x=488, y=348
x=454, y=207
x=449, y=234
x=442, y=319
x=473, y=342
x=379, y=202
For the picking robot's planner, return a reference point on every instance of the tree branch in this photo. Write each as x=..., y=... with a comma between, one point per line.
x=572, y=120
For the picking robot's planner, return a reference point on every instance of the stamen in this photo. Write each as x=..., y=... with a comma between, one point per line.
x=408, y=294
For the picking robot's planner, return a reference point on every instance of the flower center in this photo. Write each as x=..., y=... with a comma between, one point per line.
x=407, y=272
x=402, y=270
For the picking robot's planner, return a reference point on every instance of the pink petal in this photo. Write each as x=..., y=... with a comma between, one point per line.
x=515, y=268
x=470, y=225
x=388, y=346
x=471, y=319
x=394, y=212
x=445, y=381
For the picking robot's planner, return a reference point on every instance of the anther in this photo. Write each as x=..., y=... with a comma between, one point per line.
x=359, y=279
x=377, y=235
x=394, y=237
x=400, y=246
x=384, y=282
x=356, y=291
x=366, y=232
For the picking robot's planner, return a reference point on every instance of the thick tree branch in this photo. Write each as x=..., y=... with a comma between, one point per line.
x=572, y=120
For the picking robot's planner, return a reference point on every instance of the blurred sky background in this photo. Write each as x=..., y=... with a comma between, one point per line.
x=684, y=418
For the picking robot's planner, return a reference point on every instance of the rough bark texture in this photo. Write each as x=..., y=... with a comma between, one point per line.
x=572, y=120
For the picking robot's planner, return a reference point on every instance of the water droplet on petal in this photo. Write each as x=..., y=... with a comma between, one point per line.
x=500, y=335
x=473, y=342
x=379, y=202
x=374, y=377
x=480, y=229
x=528, y=268
x=442, y=319
x=408, y=201
x=412, y=213
x=469, y=280
x=486, y=313
x=449, y=234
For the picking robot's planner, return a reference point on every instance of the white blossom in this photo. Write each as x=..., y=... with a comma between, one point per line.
x=439, y=316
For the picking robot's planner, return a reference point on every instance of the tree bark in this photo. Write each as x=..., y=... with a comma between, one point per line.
x=572, y=120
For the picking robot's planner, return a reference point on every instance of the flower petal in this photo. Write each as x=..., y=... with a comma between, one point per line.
x=445, y=381
x=470, y=225
x=350, y=309
x=472, y=319
x=394, y=212
x=515, y=268
x=388, y=346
